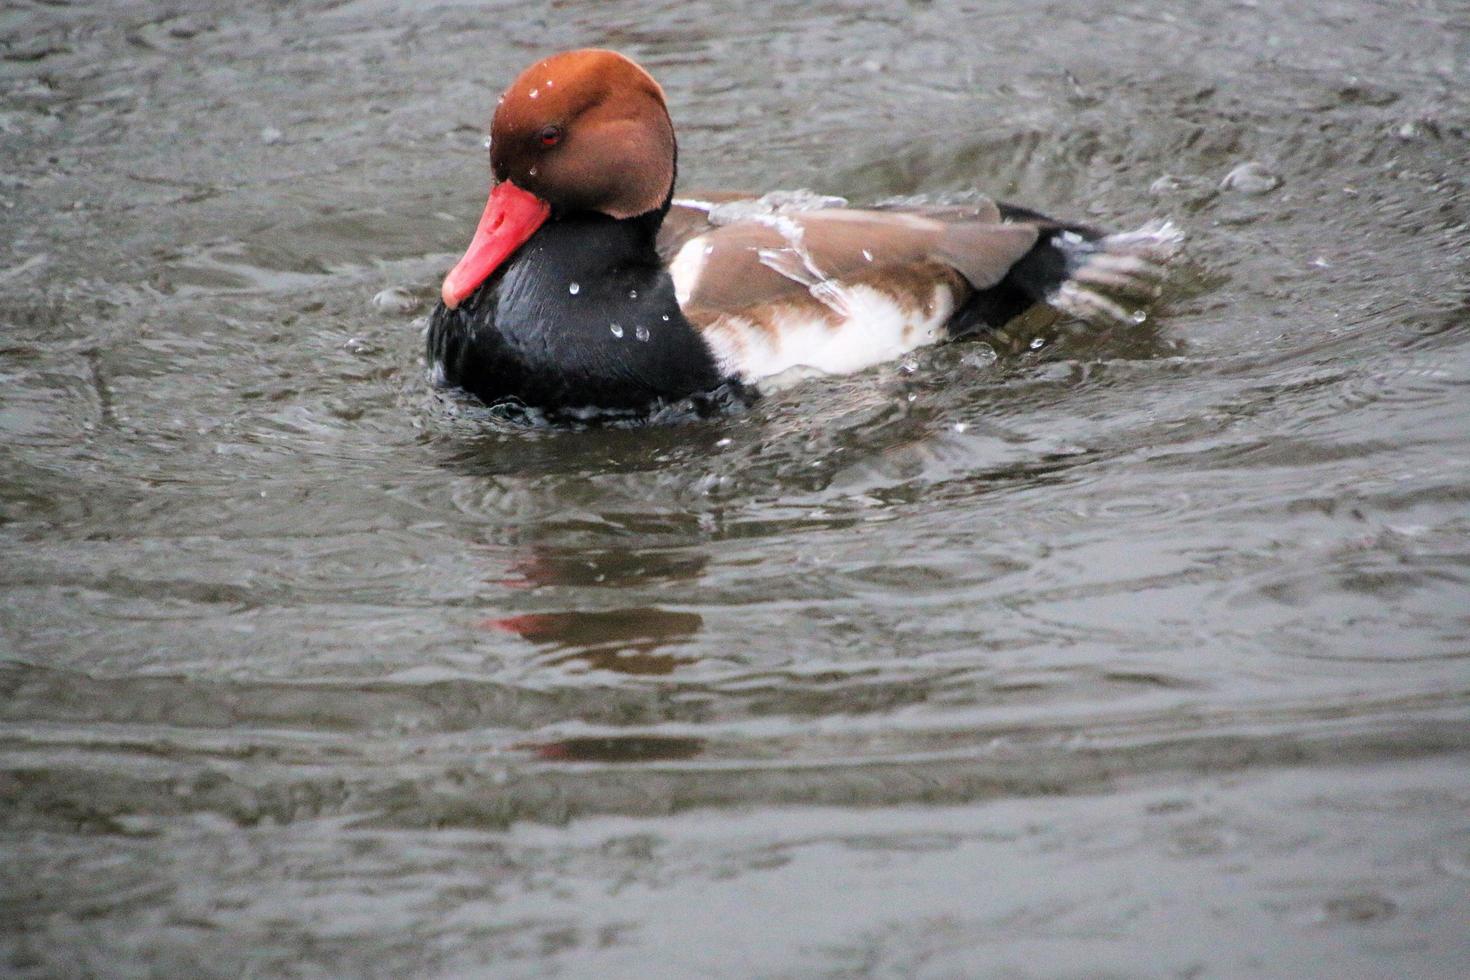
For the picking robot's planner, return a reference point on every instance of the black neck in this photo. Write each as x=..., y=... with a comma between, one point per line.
x=583, y=314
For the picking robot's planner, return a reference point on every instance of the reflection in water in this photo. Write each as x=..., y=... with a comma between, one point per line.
x=621, y=640
x=546, y=565
x=627, y=640
x=624, y=748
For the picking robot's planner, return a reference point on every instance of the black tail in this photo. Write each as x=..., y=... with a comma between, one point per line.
x=1102, y=278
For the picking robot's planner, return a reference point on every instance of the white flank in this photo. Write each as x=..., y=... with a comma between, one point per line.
x=687, y=266
x=798, y=345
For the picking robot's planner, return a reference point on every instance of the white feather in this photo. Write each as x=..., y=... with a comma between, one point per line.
x=800, y=343
x=687, y=267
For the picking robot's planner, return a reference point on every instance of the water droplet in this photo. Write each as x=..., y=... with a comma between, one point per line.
x=909, y=365
x=708, y=249
x=666, y=318
x=1037, y=343
x=1425, y=126
x=485, y=142
x=574, y=288
x=532, y=171
x=632, y=294
x=534, y=93
x=913, y=397
x=1251, y=177
x=867, y=255
x=1362, y=907
x=549, y=83
x=961, y=426
x=722, y=443
x=983, y=356
x=616, y=328
x=1138, y=316
x=641, y=332
x=397, y=300
x=1187, y=187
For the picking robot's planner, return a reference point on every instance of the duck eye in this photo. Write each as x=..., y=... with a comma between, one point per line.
x=550, y=135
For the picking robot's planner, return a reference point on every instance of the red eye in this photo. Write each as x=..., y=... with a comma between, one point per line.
x=550, y=135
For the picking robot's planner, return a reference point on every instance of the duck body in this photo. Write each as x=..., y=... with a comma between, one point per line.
x=589, y=289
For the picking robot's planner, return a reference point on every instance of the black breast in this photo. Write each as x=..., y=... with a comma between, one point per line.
x=582, y=317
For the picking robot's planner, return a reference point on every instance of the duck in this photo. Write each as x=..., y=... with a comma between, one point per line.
x=589, y=290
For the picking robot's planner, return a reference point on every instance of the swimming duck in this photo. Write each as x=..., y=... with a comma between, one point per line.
x=589, y=288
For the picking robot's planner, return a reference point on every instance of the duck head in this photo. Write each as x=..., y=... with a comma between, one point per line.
x=583, y=131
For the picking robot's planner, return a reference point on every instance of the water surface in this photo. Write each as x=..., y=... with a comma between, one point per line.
x=1132, y=653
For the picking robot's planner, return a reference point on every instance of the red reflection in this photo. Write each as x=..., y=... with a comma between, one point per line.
x=623, y=640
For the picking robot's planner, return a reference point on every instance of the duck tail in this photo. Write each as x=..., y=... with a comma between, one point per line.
x=1105, y=279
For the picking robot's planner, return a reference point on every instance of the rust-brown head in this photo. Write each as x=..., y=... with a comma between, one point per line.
x=584, y=130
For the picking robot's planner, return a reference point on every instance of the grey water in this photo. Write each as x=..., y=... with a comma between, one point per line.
x=1115, y=653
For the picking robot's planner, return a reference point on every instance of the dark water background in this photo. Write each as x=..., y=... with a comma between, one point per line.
x=1141, y=654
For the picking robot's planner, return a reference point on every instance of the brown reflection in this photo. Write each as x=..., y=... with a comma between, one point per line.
x=1042, y=326
x=588, y=567
x=621, y=640
x=617, y=748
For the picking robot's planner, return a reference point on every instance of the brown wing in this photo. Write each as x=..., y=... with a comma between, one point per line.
x=752, y=263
